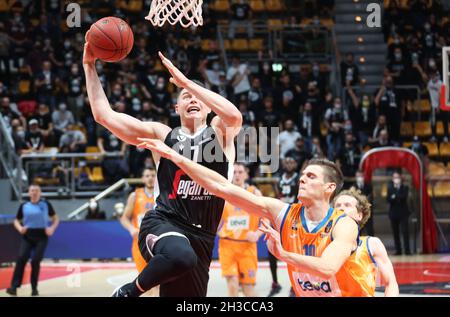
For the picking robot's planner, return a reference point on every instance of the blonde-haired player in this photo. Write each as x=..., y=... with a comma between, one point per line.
x=238, y=233
x=371, y=254
x=139, y=202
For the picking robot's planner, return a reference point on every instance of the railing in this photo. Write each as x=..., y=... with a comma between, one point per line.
x=123, y=182
x=67, y=184
x=8, y=157
x=288, y=43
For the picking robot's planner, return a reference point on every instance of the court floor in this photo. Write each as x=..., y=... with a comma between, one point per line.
x=420, y=275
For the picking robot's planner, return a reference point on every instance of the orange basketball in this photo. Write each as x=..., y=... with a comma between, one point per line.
x=110, y=39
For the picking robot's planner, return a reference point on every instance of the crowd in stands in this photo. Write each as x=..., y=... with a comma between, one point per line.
x=44, y=100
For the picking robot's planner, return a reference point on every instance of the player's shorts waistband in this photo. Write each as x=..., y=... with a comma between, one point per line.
x=191, y=228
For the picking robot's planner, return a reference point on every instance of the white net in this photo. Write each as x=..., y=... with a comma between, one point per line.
x=185, y=12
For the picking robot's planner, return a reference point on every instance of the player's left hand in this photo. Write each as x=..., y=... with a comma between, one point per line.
x=178, y=77
x=273, y=240
x=49, y=231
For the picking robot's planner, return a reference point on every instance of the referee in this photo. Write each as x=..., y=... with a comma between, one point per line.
x=32, y=223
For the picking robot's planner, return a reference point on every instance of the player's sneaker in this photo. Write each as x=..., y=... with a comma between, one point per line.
x=276, y=288
x=11, y=291
x=123, y=291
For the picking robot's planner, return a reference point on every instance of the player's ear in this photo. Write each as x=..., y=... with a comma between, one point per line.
x=176, y=109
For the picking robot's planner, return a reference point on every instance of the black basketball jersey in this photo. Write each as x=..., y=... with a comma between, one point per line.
x=288, y=188
x=177, y=195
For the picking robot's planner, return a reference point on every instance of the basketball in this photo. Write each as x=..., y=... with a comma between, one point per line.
x=110, y=39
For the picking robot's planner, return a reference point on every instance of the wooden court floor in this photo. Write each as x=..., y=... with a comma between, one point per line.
x=419, y=275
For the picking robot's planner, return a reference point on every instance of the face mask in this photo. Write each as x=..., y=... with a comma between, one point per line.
x=348, y=127
x=99, y=68
x=337, y=106
x=266, y=67
x=17, y=18
x=116, y=92
x=396, y=41
x=398, y=56
x=74, y=70
x=66, y=44
x=432, y=63
x=21, y=134
x=360, y=180
x=93, y=205
x=160, y=86
x=63, y=107
x=427, y=27
x=397, y=181
x=215, y=66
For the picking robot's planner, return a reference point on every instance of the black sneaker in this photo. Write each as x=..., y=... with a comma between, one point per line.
x=34, y=292
x=125, y=290
x=276, y=288
x=11, y=291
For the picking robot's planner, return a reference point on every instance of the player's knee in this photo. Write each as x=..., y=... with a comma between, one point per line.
x=185, y=258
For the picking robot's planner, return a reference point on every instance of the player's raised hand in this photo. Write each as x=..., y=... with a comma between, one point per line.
x=272, y=239
x=178, y=77
x=88, y=57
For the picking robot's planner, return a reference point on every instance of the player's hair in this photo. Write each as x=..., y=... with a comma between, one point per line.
x=332, y=173
x=146, y=168
x=34, y=184
x=363, y=205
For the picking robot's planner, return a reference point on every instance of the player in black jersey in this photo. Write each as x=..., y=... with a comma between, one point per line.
x=177, y=237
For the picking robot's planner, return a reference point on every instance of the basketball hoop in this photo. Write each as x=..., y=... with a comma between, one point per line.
x=185, y=12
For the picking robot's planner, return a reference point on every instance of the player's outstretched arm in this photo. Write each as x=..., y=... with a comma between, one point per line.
x=230, y=117
x=125, y=127
x=217, y=184
x=384, y=267
x=333, y=257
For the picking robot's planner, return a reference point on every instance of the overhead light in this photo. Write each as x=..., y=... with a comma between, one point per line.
x=360, y=39
x=362, y=59
x=358, y=18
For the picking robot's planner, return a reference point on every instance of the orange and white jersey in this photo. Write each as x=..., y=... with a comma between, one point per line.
x=144, y=201
x=295, y=237
x=367, y=263
x=236, y=223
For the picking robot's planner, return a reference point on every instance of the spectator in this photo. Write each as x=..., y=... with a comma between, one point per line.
x=32, y=223
x=44, y=119
x=288, y=186
x=72, y=141
x=265, y=72
x=349, y=156
x=255, y=94
x=9, y=113
x=5, y=45
x=397, y=66
x=381, y=125
x=237, y=77
x=362, y=113
x=18, y=136
x=46, y=85
x=367, y=190
x=288, y=137
x=307, y=123
x=420, y=149
x=388, y=101
x=434, y=88
x=397, y=198
x=94, y=212
x=210, y=74
x=114, y=168
x=334, y=121
x=61, y=118
x=75, y=97
x=269, y=117
x=383, y=139
x=34, y=138
x=241, y=16
x=161, y=97
x=349, y=70
x=316, y=148
x=287, y=97
x=248, y=116
x=299, y=153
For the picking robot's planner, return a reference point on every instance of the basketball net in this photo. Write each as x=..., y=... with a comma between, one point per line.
x=185, y=12
x=444, y=94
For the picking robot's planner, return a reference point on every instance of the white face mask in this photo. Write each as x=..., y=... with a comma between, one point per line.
x=360, y=180
x=397, y=181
